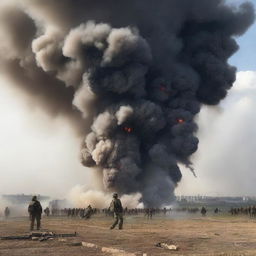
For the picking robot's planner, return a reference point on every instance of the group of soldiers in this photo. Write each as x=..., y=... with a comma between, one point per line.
x=73, y=212
x=80, y=212
x=35, y=212
x=115, y=209
x=250, y=211
x=195, y=210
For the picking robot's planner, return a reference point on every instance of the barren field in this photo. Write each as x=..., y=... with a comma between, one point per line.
x=213, y=235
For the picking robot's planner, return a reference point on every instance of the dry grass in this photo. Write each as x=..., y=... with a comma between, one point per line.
x=210, y=236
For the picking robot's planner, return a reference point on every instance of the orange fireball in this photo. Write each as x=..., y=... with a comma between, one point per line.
x=127, y=129
x=180, y=121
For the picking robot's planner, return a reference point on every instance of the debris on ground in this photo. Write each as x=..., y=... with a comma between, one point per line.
x=62, y=240
x=89, y=245
x=39, y=236
x=109, y=250
x=76, y=244
x=171, y=247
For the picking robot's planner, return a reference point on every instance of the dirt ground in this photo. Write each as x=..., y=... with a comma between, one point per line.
x=209, y=236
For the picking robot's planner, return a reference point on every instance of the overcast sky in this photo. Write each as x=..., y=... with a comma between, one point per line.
x=39, y=154
x=225, y=161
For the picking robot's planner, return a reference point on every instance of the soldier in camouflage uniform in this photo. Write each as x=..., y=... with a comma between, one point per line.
x=6, y=212
x=35, y=212
x=117, y=208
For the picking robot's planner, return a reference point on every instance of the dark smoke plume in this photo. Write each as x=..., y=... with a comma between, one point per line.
x=131, y=75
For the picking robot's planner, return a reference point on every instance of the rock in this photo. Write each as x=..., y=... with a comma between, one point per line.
x=171, y=247
x=62, y=240
x=89, y=245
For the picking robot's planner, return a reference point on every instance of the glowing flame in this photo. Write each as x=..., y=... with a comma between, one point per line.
x=180, y=121
x=127, y=129
x=162, y=88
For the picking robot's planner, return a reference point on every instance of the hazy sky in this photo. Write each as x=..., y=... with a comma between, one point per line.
x=41, y=155
x=225, y=162
x=38, y=154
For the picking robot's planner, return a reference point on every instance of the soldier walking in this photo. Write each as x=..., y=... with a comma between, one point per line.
x=47, y=211
x=6, y=212
x=35, y=212
x=88, y=212
x=117, y=208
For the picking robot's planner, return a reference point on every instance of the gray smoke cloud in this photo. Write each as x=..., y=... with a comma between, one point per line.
x=130, y=75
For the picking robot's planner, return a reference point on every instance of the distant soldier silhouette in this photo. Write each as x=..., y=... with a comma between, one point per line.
x=35, y=212
x=47, y=211
x=147, y=213
x=88, y=212
x=203, y=211
x=117, y=208
x=7, y=212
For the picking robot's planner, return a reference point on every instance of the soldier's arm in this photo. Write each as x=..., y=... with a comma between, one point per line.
x=29, y=208
x=111, y=207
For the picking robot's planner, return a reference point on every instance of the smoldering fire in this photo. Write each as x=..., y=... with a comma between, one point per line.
x=130, y=75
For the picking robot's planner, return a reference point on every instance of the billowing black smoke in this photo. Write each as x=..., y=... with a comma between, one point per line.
x=131, y=75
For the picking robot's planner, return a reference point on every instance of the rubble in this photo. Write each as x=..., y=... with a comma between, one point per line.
x=38, y=236
x=171, y=247
x=89, y=245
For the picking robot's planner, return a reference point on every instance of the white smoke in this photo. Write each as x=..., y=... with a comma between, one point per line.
x=81, y=197
x=78, y=62
x=227, y=135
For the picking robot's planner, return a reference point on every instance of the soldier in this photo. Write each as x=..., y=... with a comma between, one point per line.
x=88, y=212
x=147, y=213
x=35, y=212
x=203, y=211
x=117, y=208
x=47, y=211
x=6, y=212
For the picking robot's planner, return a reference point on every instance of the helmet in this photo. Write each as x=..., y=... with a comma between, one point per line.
x=115, y=195
x=34, y=198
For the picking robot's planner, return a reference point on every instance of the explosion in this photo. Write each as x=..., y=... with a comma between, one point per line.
x=128, y=129
x=180, y=121
x=106, y=64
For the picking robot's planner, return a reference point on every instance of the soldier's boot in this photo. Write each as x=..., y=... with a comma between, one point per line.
x=115, y=223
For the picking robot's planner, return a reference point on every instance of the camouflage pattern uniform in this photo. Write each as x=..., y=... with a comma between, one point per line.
x=35, y=212
x=117, y=208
